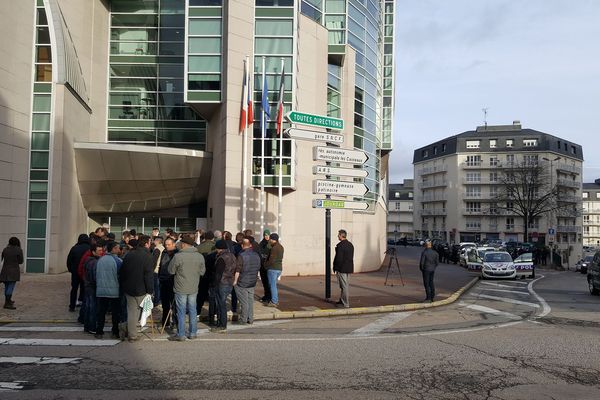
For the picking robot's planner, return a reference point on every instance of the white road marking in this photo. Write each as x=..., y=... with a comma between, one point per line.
x=489, y=310
x=10, y=386
x=9, y=328
x=58, y=342
x=545, y=307
x=507, y=300
x=39, y=360
x=499, y=285
x=520, y=282
x=506, y=291
x=380, y=324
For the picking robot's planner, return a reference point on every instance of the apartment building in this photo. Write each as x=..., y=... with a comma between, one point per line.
x=400, y=210
x=459, y=182
x=591, y=213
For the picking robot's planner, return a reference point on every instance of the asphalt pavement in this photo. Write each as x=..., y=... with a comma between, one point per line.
x=518, y=339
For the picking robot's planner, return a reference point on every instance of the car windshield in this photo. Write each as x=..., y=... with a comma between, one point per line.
x=497, y=257
x=526, y=257
x=588, y=258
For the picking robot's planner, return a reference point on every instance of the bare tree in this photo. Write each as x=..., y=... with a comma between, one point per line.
x=527, y=191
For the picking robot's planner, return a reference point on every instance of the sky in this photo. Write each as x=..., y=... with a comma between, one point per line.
x=537, y=61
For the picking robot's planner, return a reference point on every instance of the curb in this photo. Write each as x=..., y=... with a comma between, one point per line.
x=316, y=313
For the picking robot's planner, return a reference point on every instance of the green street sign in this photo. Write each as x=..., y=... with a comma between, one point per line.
x=340, y=204
x=314, y=120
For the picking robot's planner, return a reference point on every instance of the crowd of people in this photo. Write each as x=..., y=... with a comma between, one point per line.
x=179, y=272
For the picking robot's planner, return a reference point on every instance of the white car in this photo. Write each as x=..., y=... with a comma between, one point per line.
x=497, y=264
x=464, y=250
x=475, y=254
x=524, y=265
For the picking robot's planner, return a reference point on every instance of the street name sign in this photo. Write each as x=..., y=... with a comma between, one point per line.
x=334, y=154
x=340, y=204
x=315, y=120
x=314, y=136
x=322, y=186
x=351, y=172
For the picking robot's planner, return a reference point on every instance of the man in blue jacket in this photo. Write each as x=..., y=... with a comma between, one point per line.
x=107, y=289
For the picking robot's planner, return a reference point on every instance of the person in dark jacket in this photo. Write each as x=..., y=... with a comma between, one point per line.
x=428, y=263
x=137, y=279
x=343, y=266
x=264, y=250
x=166, y=280
x=248, y=265
x=226, y=267
x=89, y=279
x=11, y=257
x=274, y=267
x=73, y=259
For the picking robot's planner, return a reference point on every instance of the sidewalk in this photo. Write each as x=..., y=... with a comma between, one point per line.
x=44, y=298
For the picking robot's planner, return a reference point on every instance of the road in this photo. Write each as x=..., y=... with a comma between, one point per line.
x=501, y=340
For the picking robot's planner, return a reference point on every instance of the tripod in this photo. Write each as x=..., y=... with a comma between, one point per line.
x=391, y=252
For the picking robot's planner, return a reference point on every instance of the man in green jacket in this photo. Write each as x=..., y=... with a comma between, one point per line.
x=187, y=266
x=274, y=266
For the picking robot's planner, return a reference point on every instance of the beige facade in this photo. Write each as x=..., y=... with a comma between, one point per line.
x=93, y=179
x=400, y=210
x=591, y=214
x=458, y=184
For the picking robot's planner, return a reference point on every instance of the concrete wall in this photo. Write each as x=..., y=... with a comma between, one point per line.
x=16, y=71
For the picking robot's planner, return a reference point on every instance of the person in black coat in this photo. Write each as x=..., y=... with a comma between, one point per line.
x=428, y=263
x=136, y=278
x=343, y=266
x=10, y=274
x=73, y=259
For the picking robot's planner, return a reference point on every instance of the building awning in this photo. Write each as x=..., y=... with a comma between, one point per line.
x=125, y=178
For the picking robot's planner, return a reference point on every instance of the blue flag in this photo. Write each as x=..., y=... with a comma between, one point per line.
x=265, y=100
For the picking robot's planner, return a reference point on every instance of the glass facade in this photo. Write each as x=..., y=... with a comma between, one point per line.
x=39, y=155
x=273, y=38
x=388, y=75
x=204, y=47
x=146, y=92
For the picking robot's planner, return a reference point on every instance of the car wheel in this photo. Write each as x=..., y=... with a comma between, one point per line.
x=593, y=290
x=533, y=274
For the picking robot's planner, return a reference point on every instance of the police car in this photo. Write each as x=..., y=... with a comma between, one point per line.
x=494, y=264
x=524, y=266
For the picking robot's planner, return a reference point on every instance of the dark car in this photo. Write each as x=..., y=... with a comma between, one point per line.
x=593, y=275
x=585, y=263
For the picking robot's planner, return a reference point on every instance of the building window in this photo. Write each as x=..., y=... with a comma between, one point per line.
x=494, y=191
x=434, y=150
x=529, y=142
x=473, y=177
x=558, y=144
x=510, y=223
x=585, y=195
x=510, y=159
x=509, y=142
x=473, y=206
x=492, y=143
x=473, y=161
x=472, y=223
x=397, y=206
x=493, y=161
x=573, y=149
x=473, y=144
x=510, y=206
x=444, y=148
x=397, y=194
x=586, y=219
x=530, y=159
x=566, y=146
x=410, y=195
x=494, y=177
x=474, y=191
x=598, y=195
x=425, y=153
x=493, y=208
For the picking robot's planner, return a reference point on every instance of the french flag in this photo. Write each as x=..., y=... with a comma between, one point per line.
x=280, y=101
x=246, y=104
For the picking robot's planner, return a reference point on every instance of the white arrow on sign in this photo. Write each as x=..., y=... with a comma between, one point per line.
x=314, y=136
x=321, y=186
x=324, y=153
x=352, y=172
x=340, y=204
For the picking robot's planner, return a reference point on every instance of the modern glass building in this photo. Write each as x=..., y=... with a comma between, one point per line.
x=127, y=113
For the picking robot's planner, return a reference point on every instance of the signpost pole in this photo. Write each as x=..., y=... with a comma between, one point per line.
x=280, y=189
x=327, y=253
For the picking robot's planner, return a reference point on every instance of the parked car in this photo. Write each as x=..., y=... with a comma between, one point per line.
x=475, y=255
x=464, y=249
x=497, y=265
x=593, y=275
x=584, y=264
x=524, y=265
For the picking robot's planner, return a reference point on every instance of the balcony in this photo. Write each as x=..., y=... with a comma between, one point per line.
x=568, y=168
x=431, y=199
x=473, y=211
x=433, y=170
x=473, y=228
x=467, y=181
x=427, y=185
x=472, y=165
x=471, y=195
x=433, y=211
x=568, y=229
x=568, y=183
x=569, y=198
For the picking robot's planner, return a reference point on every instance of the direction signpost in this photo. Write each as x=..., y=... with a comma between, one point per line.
x=334, y=154
x=340, y=204
x=338, y=188
x=296, y=117
x=349, y=172
x=303, y=134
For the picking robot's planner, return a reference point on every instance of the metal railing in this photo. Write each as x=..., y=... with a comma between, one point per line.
x=568, y=228
x=433, y=170
x=568, y=183
x=425, y=185
x=430, y=199
x=433, y=211
x=568, y=168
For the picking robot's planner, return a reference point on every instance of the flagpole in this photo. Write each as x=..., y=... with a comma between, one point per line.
x=280, y=193
x=245, y=150
x=263, y=130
